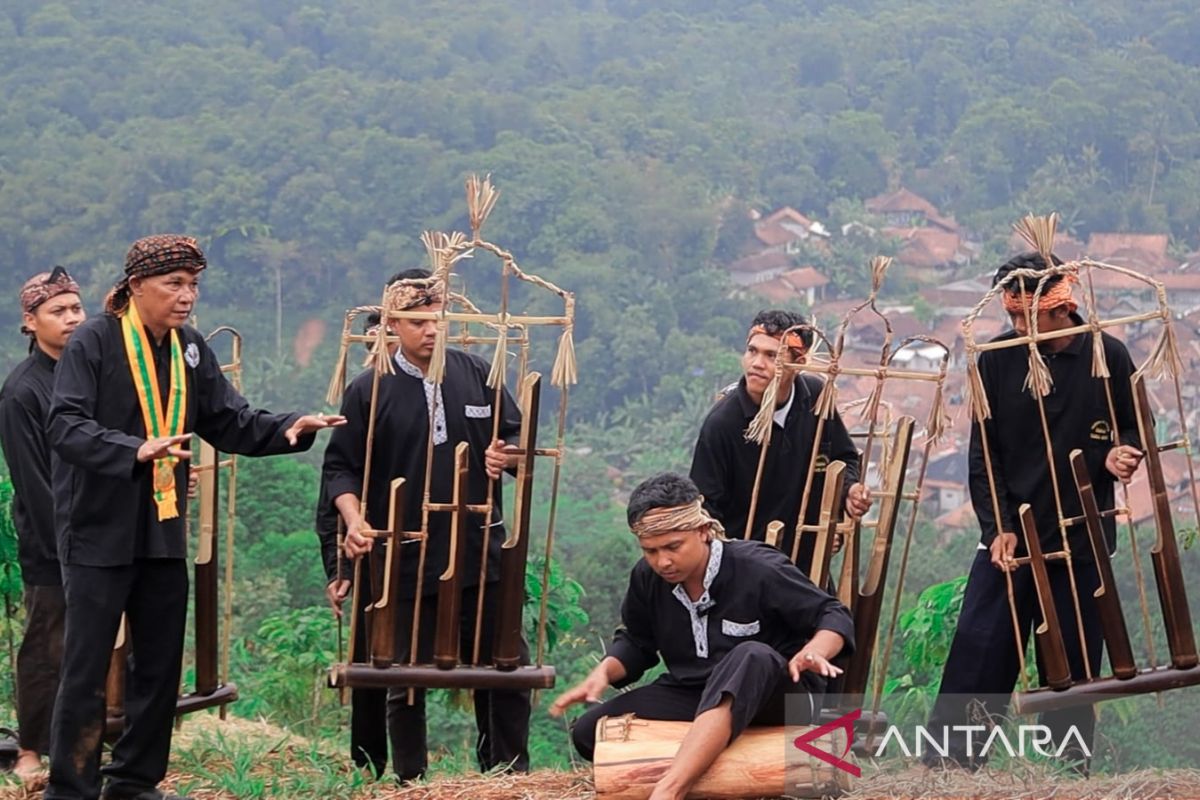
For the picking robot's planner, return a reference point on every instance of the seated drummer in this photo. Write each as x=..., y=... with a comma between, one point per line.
x=738, y=626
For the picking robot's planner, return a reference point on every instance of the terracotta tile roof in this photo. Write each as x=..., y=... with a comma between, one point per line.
x=902, y=200
x=782, y=226
x=804, y=278
x=762, y=262
x=925, y=247
x=790, y=286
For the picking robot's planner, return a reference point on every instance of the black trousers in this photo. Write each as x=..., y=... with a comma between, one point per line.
x=983, y=660
x=38, y=663
x=501, y=715
x=153, y=593
x=368, y=707
x=753, y=674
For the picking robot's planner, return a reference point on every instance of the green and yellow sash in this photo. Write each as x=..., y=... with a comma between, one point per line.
x=158, y=423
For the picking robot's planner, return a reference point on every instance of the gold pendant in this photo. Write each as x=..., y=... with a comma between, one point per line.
x=164, y=475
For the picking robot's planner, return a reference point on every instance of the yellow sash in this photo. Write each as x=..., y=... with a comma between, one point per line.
x=158, y=423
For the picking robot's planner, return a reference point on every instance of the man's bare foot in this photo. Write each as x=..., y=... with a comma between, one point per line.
x=29, y=767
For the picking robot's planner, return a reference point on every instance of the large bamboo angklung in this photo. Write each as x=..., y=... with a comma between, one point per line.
x=864, y=599
x=205, y=572
x=456, y=663
x=1172, y=594
x=1049, y=633
x=1127, y=679
x=1108, y=602
x=449, y=596
x=382, y=612
x=514, y=554
x=868, y=602
x=818, y=568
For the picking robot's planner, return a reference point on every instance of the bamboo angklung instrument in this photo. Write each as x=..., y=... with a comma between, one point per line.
x=453, y=666
x=818, y=571
x=114, y=687
x=205, y=572
x=1049, y=633
x=449, y=596
x=514, y=553
x=1108, y=603
x=1127, y=679
x=1172, y=592
x=382, y=612
x=868, y=602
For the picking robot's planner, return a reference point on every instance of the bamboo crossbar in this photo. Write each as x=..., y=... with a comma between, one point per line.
x=364, y=338
x=1107, y=513
x=881, y=373
x=1058, y=556
x=465, y=316
x=200, y=469
x=1045, y=336
x=362, y=676
x=1154, y=679
x=405, y=535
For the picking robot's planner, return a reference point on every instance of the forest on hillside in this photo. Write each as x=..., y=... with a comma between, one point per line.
x=307, y=143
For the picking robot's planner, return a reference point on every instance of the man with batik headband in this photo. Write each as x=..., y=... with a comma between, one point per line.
x=725, y=463
x=412, y=411
x=983, y=659
x=132, y=387
x=50, y=312
x=738, y=626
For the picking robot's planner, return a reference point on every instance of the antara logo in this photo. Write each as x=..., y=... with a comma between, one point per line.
x=806, y=742
x=1030, y=739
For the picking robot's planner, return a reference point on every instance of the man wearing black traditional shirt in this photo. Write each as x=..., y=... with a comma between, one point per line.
x=736, y=623
x=983, y=659
x=724, y=464
x=459, y=409
x=51, y=310
x=131, y=388
x=368, y=707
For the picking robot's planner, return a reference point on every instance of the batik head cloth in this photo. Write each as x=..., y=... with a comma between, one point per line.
x=791, y=339
x=1053, y=295
x=406, y=295
x=163, y=253
x=154, y=255
x=45, y=285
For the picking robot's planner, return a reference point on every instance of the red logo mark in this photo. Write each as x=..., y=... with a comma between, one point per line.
x=846, y=721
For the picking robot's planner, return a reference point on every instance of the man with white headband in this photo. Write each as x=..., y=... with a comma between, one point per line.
x=738, y=626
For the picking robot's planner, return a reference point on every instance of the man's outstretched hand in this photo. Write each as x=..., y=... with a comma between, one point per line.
x=312, y=422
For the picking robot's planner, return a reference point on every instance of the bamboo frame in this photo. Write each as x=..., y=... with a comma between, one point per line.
x=897, y=486
x=506, y=331
x=1129, y=680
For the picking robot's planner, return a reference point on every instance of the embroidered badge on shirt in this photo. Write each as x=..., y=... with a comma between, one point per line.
x=731, y=628
x=192, y=355
x=479, y=412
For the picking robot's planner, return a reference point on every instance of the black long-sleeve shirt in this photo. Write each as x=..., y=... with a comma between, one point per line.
x=1077, y=416
x=724, y=464
x=399, y=451
x=326, y=525
x=105, y=515
x=756, y=594
x=24, y=403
